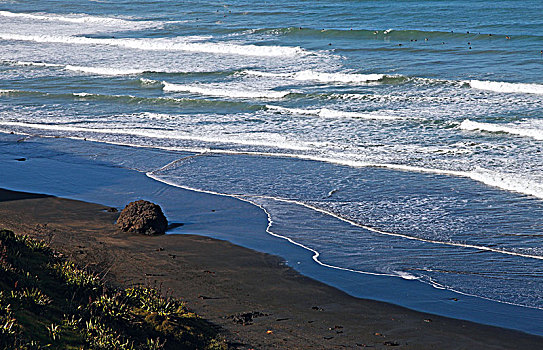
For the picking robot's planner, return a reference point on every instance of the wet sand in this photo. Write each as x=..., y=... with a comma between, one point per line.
x=256, y=299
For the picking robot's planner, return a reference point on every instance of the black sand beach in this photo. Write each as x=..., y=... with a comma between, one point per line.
x=257, y=300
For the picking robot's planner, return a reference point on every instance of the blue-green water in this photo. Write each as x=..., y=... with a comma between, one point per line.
x=396, y=139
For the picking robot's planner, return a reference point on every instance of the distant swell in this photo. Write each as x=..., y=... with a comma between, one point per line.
x=321, y=77
x=382, y=34
x=330, y=113
x=167, y=44
x=514, y=130
x=212, y=91
x=498, y=86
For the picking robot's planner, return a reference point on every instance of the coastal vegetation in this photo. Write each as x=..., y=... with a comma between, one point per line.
x=48, y=302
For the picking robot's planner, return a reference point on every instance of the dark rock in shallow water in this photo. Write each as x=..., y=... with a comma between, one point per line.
x=142, y=217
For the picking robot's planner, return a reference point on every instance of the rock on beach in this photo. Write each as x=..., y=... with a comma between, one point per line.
x=143, y=217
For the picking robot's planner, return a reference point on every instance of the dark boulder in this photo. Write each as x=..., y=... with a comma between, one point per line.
x=142, y=217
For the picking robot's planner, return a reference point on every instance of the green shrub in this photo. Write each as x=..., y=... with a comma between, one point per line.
x=149, y=299
x=34, y=296
x=112, y=307
x=58, y=305
x=75, y=277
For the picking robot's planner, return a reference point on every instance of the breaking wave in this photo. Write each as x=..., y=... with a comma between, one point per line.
x=508, y=129
x=190, y=44
x=499, y=86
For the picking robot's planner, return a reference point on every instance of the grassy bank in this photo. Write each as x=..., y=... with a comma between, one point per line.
x=48, y=302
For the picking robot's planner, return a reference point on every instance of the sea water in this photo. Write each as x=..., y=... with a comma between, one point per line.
x=390, y=139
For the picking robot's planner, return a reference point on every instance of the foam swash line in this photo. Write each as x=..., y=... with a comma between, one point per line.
x=153, y=133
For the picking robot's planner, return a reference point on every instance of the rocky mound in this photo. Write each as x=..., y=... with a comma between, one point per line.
x=142, y=217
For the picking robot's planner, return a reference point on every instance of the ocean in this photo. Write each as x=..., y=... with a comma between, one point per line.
x=394, y=139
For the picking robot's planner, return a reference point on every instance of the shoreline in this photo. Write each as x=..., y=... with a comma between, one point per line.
x=54, y=166
x=245, y=292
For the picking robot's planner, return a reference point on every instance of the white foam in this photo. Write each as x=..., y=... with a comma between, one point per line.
x=509, y=182
x=104, y=70
x=166, y=44
x=212, y=91
x=514, y=130
x=330, y=113
x=308, y=75
x=78, y=19
x=153, y=116
x=498, y=86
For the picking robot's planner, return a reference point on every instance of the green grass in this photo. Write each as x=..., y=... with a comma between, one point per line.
x=47, y=302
